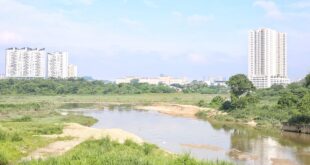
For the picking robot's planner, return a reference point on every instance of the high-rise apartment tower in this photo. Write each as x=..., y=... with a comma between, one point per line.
x=267, y=58
x=25, y=63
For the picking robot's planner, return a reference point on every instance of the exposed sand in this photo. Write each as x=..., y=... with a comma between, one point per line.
x=176, y=109
x=180, y=110
x=80, y=134
x=203, y=146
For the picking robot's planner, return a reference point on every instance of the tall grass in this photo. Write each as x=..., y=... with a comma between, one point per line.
x=107, y=152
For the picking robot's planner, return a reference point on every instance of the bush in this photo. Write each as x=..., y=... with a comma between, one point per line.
x=300, y=119
x=202, y=103
x=217, y=101
x=226, y=105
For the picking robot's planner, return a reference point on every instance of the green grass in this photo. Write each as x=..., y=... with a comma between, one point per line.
x=177, y=98
x=19, y=128
x=107, y=152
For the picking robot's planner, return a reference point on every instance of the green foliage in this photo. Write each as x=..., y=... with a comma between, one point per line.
x=202, y=103
x=239, y=84
x=288, y=100
x=299, y=119
x=107, y=152
x=16, y=137
x=217, y=101
x=202, y=87
x=226, y=105
x=304, y=105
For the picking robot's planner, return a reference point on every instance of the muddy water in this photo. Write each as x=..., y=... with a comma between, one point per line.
x=205, y=140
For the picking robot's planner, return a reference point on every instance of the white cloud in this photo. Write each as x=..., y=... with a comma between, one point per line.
x=272, y=10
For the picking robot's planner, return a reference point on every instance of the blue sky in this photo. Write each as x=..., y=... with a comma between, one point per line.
x=110, y=39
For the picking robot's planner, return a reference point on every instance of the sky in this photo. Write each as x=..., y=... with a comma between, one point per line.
x=195, y=39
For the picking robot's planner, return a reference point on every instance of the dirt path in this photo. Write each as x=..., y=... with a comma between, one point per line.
x=178, y=109
x=79, y=134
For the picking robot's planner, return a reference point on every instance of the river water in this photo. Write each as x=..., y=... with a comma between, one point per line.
x=209, y=140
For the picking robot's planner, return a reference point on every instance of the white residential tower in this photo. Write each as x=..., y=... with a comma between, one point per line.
x=25, y=63
x=267, y=58
x=57, y=65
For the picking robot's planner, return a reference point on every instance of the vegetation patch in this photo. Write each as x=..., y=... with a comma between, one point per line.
x=105, y=151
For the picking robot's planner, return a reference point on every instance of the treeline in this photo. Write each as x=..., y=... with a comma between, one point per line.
x=96, y=87
x=76, y=86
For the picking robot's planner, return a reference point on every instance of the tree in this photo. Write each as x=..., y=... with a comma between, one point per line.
x=304, y=106
x=239, y=84
x=288, y=100
x=307, y=81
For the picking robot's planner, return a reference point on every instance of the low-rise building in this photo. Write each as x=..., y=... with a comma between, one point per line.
x=167, y=80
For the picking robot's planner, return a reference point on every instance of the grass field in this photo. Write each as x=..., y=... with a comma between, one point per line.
x=107, y=152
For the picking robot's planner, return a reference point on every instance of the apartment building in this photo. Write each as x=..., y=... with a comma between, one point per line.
x=57, y=65
x=25, y=63
x=267, y=57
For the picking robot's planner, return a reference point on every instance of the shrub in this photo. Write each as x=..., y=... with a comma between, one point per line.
x=300, y=119
x=226, y=105
x=217, y=101
x=202, y=103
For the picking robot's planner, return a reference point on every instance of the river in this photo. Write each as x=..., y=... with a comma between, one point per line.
x=209, y=140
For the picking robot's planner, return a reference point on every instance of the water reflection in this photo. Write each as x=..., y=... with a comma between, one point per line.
x=240, y=144
x=267, y=146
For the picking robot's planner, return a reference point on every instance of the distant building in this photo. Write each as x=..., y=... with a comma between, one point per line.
x=25, y=63
x=72, y=71
x=57, y=65
x=216, y=81
x=167, y=80
x=267, y=58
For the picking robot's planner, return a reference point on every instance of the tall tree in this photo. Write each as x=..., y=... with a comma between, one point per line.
x=239, y=84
